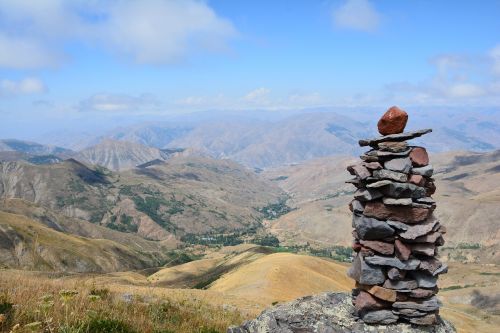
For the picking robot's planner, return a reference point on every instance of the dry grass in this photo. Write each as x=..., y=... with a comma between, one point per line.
x=43, y=304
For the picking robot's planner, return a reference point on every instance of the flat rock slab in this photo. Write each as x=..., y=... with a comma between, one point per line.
x=411, y=215
x=394, y=137
x=391, y=175
x=399, y=165
x=428, y=305
x=367, y=194
x=326, y=313
x=383, y=317
x=371, y=229
x=378, y=246
x=408, y=265
x=426, y=171
x=419, y=230
x=398, y=190
x=395, y=147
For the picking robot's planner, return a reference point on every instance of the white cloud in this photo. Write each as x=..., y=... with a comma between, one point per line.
x=118, y=103
x=159, y=31
x=458, y=79
x=357, y=15
x=25, y=86
x=22, y=53
x=258, y=96
x=465, y=89
x=33, y=33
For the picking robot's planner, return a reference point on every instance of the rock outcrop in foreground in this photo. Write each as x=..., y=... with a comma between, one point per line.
x=326, y=313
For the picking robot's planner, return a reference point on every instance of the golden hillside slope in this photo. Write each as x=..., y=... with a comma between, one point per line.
x=200, y=273
x=283, y=276
x=27, y=244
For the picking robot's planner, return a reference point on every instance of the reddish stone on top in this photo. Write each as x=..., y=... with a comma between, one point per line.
x=393, y=121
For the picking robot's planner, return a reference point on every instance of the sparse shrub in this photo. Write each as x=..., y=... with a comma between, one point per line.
x=6, y=308
x=267, y=240
x=103, y=293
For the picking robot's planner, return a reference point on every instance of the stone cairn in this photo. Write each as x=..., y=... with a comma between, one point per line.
x=395, y=232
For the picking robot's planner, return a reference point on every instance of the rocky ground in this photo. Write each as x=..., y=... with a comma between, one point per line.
x=326, y=313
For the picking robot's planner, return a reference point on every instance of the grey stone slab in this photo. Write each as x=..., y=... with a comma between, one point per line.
x=371, y=229
x=424, y=280
x=365, y=273
x=426, y=171
x=408, y=265
x=431, y=304
x=384, y=317
x=394, y=137
x=391, y=175
x=367, y=194
x=397, y=202
x=417, y=230
x=399, y=164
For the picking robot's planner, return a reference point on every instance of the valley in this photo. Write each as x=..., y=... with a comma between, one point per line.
x=196, y=232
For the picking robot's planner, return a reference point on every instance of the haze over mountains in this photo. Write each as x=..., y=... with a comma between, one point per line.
x=274, y=138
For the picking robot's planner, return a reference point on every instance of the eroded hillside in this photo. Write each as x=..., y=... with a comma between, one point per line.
x=467, y=193
x=161, y=200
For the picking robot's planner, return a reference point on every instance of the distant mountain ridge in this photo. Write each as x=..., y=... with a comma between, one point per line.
x=281, y=139
x=120, y=155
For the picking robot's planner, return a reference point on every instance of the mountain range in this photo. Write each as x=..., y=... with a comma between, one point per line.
x=275, y=138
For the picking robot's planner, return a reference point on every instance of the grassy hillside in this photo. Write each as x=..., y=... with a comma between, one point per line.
x=28, y=244
x=33, y=302
x=142, y=305
x=201, y=273
x=159, y=201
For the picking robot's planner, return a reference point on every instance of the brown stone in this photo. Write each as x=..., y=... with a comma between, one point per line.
x=365, y=302
x=366, y=252
x=394, y=147
x=404, y=214
x=419, y=157
x=379, y=292
x=356, y=247
x=403, y=251
x=393, y=121
x=372, y=165
x=427, y=320
x=359, y=170
x=430, y=265
x=417, y=180
x=380, y=247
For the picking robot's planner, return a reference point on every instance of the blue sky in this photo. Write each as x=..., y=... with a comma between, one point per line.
x=63, y=61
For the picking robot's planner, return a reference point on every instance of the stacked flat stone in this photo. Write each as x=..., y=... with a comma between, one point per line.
x=396, y=235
